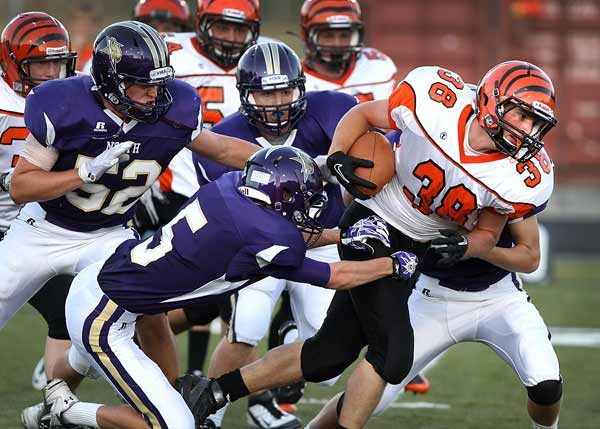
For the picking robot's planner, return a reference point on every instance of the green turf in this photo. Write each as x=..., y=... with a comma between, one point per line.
x=480, y=389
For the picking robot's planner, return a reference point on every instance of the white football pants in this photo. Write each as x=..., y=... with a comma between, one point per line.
x=35, y=250
x=501, y=317
x=102, y=336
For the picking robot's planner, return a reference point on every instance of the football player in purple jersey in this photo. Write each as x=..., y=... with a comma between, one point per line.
x=95, y=145
x=230, y=234
x=276, y=111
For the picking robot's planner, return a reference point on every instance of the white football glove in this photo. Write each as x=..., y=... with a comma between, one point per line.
x=93, y=169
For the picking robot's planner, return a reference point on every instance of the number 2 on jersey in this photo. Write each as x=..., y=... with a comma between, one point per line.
x=457, y=203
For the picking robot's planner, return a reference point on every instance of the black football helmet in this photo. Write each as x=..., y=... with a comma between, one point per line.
x=265, y=67
x=288, y=181
x=128, y=53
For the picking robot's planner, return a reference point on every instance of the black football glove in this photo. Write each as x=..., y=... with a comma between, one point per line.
x=342, y=167
x=450, y=248
x=202, y=395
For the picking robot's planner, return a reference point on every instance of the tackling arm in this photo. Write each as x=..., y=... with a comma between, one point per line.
x=350, y=274
x=223, y=149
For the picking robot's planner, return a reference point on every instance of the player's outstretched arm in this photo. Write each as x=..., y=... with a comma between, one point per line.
x=223, y=149
x=524, y=256
x=350, y=274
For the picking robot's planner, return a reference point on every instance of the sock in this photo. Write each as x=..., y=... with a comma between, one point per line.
x=82, y=413
x=233, y=385
x=197, y=348
x=539, y=426
x=217, y=418
x=290, y=336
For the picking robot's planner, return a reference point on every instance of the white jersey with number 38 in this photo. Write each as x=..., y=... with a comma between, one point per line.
x=440, y=182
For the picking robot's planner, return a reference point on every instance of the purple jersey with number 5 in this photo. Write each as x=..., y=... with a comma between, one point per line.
x=219, y=242
x=68, y=115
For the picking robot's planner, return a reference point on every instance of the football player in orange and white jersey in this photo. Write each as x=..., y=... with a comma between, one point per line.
x=336, y=60
x=207, y=60
x=468, y=161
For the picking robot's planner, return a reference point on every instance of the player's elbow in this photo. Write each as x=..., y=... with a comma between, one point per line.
x=18, y=189
x=532, y=263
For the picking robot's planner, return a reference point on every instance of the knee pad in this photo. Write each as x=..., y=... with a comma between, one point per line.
x=321, y=362
x=546, y=393
x=393, y=366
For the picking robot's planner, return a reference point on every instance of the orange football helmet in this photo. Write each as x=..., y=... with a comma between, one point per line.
x=319, y=15
x=33, y=37
x=516, y=84
x=173, y=12
x=242, y=12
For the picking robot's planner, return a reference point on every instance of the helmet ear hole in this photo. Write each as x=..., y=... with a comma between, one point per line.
x=287, y=196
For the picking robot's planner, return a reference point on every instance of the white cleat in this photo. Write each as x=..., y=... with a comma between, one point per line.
x=58, y=398
x=264, y=413
x=30, y=416
x=38, y=378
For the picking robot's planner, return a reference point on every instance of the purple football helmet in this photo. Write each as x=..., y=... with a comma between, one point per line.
x=266, y=67
x=128, y=53
x=288, y=181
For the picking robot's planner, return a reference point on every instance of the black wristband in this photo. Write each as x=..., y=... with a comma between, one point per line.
x=396, y=267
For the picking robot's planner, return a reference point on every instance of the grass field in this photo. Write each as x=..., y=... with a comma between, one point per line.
x=471, y=387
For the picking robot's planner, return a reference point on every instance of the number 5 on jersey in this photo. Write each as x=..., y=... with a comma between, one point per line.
x=195, y=219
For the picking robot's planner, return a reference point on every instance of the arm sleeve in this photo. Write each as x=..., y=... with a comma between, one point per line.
x=310, y=271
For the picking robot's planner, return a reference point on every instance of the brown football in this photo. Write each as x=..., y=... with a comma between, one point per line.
x=374, y=147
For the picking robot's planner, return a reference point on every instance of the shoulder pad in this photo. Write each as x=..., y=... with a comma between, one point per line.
x=186, y=105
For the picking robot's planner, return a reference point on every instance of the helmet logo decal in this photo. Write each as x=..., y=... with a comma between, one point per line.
x=161, y=73
x=234, y=13
x=306, y=163
x=275, y=79
x=54, y=51
x=260, y=177
x=538, y=105
x=339, y=19
x=113, y=50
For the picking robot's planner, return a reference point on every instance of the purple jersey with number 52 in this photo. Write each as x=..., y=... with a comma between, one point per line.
x=68, y=115
x=219, y=241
